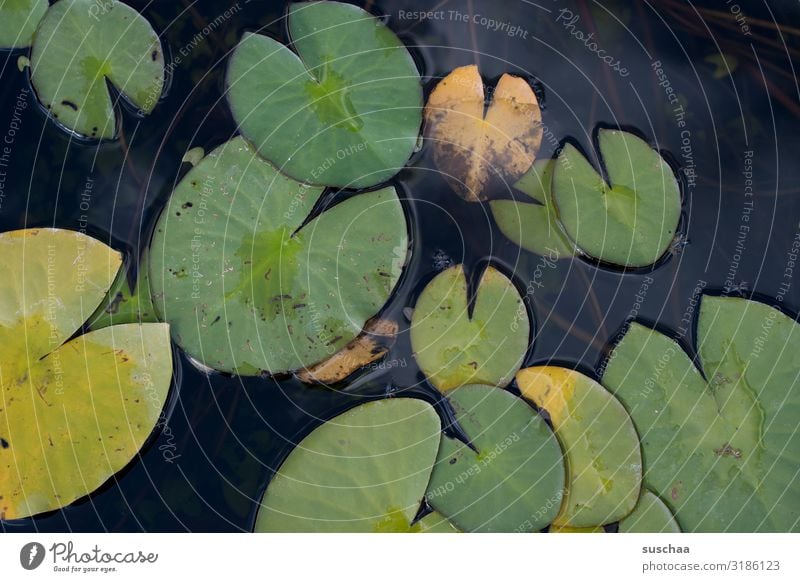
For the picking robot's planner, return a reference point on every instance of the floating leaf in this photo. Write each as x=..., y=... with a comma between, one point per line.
x=344, y=111
x=470, y=149
x=363, y=471
x=650, y=515
x=505, y=486
x=604, y=465
x=534, y=227
x=722, y=453
x=18, y=21
x=371, y=345
x=83, y=44
x=630, y=222
x=74, y=412
x=248, y=285
x=454, y=347
x=125, y=305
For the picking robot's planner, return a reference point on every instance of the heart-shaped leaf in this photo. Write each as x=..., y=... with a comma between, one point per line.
x=604, y=465
x=249, y=285
x=511, y=479
x=345, y=110
x=83, y=44
x=74, y=412
x=534, y=227
x=363, y=471
x=630, y=222
x=650, y=515
x=470, y=149
x=720, y=450
x=18, y=21
x=454, y=347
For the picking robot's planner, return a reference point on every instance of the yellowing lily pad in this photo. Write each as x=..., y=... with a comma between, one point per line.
x=604, y=465
x=345, y=110
x=18, y=21
x=471, y=149
x=534, y=227
x=651, y=515
x=454, y=347
x=512, y=477
x=248, y=285
x=363, y=471
x=80, y=46
x=721, y=448
x=629, y=222
x=72, y=413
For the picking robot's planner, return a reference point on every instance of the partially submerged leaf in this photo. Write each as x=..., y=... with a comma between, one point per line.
x=722, y=453
x=344, y=111
x=470, y=149
x=514, y=481
x=604, y=465
x=650, y=515
x=454, y=348
x=629, y=222
x=249, y=286
x=18, y=21
x=363, y=471
x=125, y=305
x=371, y=345
x=534, y=227
x=72, y=414
x=79, y=47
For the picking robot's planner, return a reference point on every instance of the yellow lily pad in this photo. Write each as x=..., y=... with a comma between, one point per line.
x=471, y=149
x=72, y=413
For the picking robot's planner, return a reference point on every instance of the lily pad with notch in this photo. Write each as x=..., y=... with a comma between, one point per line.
x=601, y=447
x=721, y=447
x=534, y=226
x=80, y=47
x=75, y=410
x=504, y=479
x=250, y=284
x=344, y=110
x=630, y=222
x=472, y=150
x=456, y=345
x=362, y=471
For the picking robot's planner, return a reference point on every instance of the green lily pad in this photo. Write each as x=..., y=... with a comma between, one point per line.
x=651, y=515
x=453, y=348
x=123, y=304
x=73, y=412
x=363, y=471
x=534, y=227
x=604, y=465
x=18, y=21
x=248, y=286
x=83, y=44
x=505, y=486
x=721, y=451
x=630, y=222
x=345, y=110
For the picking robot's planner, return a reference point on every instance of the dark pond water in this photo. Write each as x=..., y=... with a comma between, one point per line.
x=734, y=139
